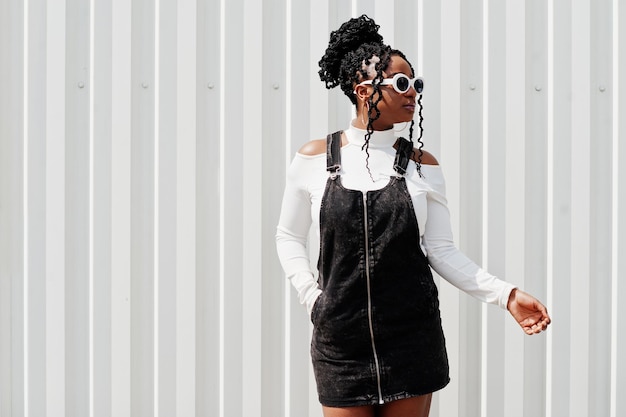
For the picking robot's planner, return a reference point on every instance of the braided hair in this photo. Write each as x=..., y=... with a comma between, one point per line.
x=356, y=52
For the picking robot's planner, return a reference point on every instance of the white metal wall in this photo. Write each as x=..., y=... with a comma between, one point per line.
x=143, y=147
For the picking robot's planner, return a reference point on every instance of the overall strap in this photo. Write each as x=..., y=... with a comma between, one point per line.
x=403, y=156
x=333, y=153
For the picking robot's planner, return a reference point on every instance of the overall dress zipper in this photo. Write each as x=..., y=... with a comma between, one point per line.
x=369, y=298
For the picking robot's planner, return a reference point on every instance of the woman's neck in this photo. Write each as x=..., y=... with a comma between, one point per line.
x=379, y=138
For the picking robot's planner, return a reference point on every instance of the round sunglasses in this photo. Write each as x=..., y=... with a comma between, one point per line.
x=401, y=83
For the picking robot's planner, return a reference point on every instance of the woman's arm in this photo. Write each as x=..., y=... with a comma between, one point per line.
x=447, y=260
x=292, y=233
x=463, y=273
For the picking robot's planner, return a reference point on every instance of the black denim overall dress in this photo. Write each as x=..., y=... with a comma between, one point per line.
x=377, y=333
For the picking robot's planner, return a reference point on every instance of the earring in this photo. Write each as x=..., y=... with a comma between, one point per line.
x=367, y=106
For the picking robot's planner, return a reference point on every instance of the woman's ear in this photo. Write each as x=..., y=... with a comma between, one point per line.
x=362, y=92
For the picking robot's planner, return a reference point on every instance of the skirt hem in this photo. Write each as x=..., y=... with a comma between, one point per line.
x=339, y=403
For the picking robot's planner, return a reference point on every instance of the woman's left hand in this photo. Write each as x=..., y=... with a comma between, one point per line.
x=528, y=312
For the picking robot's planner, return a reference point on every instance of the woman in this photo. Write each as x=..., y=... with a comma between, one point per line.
x=379, y=207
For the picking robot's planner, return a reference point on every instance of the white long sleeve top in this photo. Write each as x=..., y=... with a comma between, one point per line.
x=305, y=185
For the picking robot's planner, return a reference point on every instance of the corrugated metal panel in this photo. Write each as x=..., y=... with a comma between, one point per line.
x=13, y=236
x=560, y=190
x=143, y=148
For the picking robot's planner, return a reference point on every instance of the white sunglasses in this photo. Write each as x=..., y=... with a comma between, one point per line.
x=401, y=83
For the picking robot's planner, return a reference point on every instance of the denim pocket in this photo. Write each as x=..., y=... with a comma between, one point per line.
x=315, y=309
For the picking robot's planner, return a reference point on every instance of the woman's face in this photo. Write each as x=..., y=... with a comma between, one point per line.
x=394, y=107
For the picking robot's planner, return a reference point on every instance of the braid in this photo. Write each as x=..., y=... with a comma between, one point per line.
x=418, y=163
x=373, y=101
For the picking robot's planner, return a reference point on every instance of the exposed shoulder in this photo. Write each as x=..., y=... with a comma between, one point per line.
x=427, y=157
x=318, y=146
x=314, y=147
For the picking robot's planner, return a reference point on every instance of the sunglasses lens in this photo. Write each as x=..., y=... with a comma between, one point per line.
x=402, y=84
x=419, y=85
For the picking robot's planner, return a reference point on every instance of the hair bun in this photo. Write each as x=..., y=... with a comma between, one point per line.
x=351, y=35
